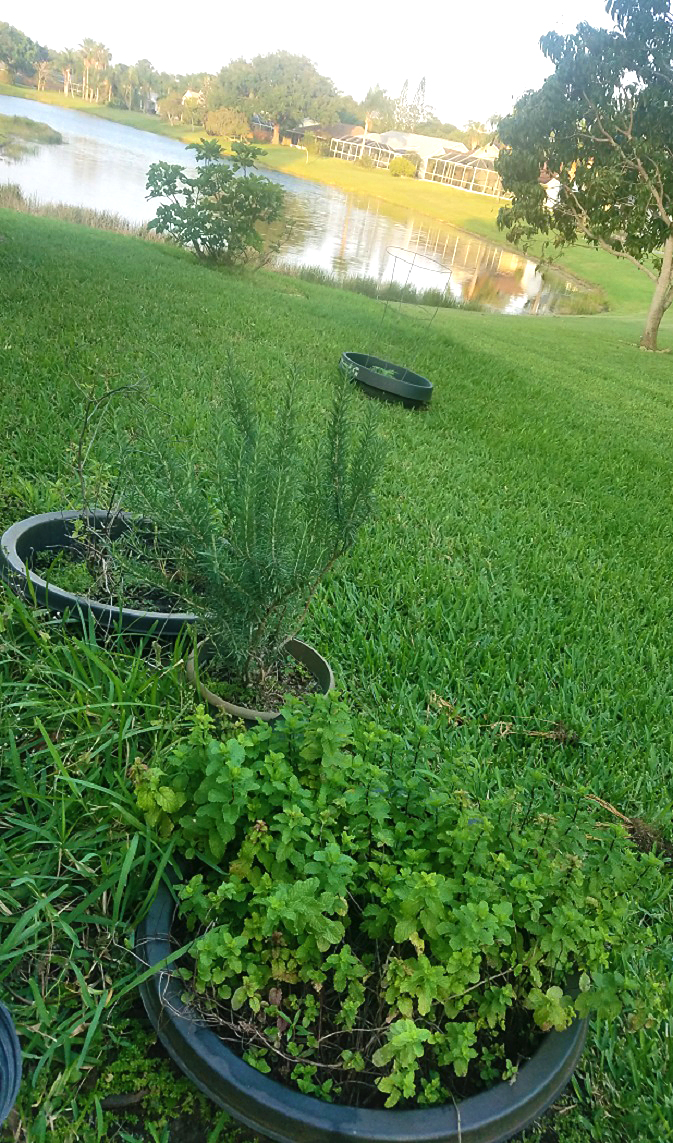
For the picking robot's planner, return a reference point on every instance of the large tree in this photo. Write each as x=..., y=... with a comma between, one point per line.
x=282, y=88
x=18, y=52
x=601, y=124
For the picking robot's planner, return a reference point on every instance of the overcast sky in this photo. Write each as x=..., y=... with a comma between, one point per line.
x=477, y=57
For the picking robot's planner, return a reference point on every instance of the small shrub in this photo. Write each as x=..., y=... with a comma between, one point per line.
x=228, y=122
x=217, y=211
x=402, y=168
x=367, y=162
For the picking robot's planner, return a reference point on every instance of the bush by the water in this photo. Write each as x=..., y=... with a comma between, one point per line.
x=228, y=122
x=217, y=211
x=402, y=168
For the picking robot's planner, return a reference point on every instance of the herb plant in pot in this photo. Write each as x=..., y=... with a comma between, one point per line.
x=254, y=516
x=90, y=559
x=371, y=953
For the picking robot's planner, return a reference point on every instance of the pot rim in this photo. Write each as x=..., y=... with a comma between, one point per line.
x=13, y=567
x=288, y=1116
x=416, y=381
x=10, y=1063
x=296, y=647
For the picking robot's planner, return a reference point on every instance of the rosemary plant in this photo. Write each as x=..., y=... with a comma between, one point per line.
x=256, y=518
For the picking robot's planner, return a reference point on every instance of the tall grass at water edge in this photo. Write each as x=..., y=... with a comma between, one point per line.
x=371, y=287
x=13, y=198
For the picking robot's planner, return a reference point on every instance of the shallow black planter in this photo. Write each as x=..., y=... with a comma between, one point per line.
x=10, y=1064
x=289, y=1117
x=302, y=652
x=412, y=390
x=54, y=531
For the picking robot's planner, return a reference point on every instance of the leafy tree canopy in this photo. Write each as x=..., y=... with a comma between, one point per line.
x=601, y=125
x=282, y=88
x=436, y=128
x=378, y=110
x=18, y=52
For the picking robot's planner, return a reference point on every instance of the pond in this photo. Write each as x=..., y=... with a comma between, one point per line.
x=103, y=165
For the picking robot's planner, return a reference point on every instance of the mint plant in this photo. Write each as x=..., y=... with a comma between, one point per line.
x=352, y=909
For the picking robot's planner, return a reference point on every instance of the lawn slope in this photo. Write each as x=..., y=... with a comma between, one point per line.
x=517, y=577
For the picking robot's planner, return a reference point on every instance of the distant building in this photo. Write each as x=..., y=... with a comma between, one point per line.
x=325, y=134
x=441, y=160
x=472, y=171
x=189, y=94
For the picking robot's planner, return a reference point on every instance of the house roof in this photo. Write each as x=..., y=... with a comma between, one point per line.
x=483, y=158
x=336, y=131
x=427, y=146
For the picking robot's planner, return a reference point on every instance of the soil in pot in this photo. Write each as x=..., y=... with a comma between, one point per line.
x=267, y=692
x=306, y=1056
x=109, y=571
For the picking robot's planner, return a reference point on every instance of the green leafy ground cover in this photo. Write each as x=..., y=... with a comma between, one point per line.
x=511, y=604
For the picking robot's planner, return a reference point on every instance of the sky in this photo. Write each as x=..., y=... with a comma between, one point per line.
x=478, y=57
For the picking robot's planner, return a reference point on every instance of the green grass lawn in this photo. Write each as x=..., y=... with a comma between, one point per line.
x=517, y=576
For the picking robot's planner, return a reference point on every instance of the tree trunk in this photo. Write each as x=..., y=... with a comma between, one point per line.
x=276, y=133
x=661, y=299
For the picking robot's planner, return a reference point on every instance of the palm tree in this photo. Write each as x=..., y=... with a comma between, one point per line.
x=475, y=132
x=43, y=68
x=67, y=61
x=87, y=51
x=101, y=62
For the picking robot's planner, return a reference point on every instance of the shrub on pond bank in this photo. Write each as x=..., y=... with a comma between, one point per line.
x=216, y=212
x=402, y=168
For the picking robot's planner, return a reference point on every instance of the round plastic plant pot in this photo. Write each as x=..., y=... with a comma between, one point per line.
x=301, y=652
x=287, y=1116
x=10, y=1064
x=379, y=378
x=54, y=532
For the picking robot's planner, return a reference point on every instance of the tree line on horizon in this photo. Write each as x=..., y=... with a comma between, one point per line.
x=280, y=88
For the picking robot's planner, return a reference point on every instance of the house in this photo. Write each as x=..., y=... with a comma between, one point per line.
x=324, y=134
x=189, y=94
x=441, y=160
x=425, y=146
x=472, y=171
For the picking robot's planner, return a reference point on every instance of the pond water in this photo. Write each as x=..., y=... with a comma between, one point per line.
x=103, y=165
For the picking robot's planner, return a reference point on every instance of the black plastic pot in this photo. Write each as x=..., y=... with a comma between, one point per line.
x=302, y=652
x=54, y=531
x=290, y=1117
x=10, y=1064
x=412, y=390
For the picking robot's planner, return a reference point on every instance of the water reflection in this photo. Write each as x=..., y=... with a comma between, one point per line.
x=103, y=165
